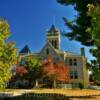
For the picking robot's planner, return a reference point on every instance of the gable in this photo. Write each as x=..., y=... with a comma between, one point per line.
x=48, y=49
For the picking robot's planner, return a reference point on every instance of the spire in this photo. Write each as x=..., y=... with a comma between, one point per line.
x=52, y=29
x=25, y=50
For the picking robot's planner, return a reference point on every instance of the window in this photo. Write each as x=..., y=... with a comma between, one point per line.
x=70, y=62
x=52, y=43
x=75, y=62
x=47, y=51
x=71, y=74
x=74, y=75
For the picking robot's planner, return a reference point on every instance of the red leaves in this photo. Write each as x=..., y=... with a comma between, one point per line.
x=21, y=71
x=55, y=70
x=48, y=69
x=61, y=72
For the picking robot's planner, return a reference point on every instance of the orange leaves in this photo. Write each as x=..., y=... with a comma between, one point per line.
x=61, y=72
x=55, y=70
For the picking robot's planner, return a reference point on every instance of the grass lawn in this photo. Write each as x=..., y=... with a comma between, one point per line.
x=67, y=92
x=74, y=94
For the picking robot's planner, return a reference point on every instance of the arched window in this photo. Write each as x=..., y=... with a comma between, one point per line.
x=47, y=51
x=70, y=62
x=75, y=62
x=52, y=43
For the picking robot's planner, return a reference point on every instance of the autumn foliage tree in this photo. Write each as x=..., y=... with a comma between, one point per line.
x=21, y=71
x=55, y=71
x=8, y=54
x=30, y=69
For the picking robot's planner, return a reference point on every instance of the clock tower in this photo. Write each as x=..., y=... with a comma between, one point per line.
x=53, y=36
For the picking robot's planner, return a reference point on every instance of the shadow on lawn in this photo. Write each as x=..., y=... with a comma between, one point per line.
x=33, y=96
x=83, y=97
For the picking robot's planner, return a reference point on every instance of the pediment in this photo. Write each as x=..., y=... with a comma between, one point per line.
x=49, y=49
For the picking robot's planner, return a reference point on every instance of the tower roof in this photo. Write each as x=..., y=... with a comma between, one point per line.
x=52, y=29
x=25, y=50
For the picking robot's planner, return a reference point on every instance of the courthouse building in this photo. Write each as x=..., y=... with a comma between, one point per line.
x=77, y=63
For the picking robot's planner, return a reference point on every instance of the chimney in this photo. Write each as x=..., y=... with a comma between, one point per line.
x=82, y=52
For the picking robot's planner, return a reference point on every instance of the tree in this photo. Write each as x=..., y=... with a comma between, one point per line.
x=55, y=71
x=21, y=71
x=79, y=25
x=7, y=54
x=94, y=12
x=32, y=65
x=86, y=27
x=95, y=71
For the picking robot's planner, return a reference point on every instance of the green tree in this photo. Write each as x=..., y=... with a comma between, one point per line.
x=33, y=65
x=82, y=21
x=85, y=27
x=7, y=54
x=94, y=12
x=95, y=68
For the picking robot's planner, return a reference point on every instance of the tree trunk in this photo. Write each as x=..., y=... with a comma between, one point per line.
x=54, y=83
x=37, y=83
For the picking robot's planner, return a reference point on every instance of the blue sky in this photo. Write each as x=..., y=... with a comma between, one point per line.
x=30, y=19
